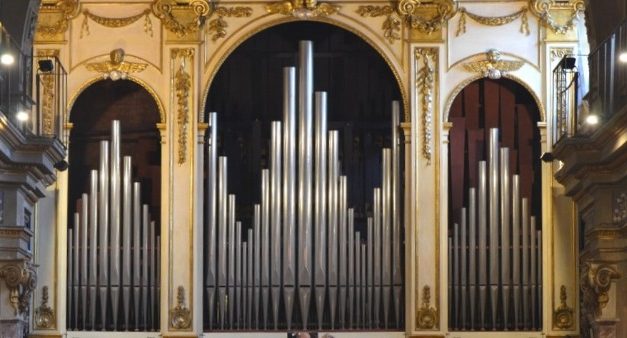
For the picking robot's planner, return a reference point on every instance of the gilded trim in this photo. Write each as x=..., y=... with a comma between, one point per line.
x=116, y=22
x=563, y=315
x=116, y=68
x=64, y=10
x=44, y=315
x=302, y=8
x=217, y=27
x=180, y=315
x=426, y=79
x=493, y=66
x=182, y=87
x=427, y=317
x=493, y=20
x=171, y=14
x=391, y=25
x=546, y=9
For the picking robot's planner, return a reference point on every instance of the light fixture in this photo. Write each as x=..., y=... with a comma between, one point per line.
x=22, y=116
x=623, y=57
x=592, y=119
x=7, y=58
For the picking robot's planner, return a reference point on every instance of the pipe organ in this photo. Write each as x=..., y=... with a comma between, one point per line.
x=113, y=250
x=494, y=252
x=302, y=262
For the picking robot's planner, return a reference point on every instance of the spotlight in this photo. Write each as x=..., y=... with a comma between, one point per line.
x=22, y=116
x=7, y=58
x=61, y=165
x=592, y=119
x=623, y=57
x=46, y=65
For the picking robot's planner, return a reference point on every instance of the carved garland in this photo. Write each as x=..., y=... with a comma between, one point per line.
x=493, y=21
x=425, y=84
x=217, y=27
x=116, y=22
x=427, y=315
x=182, y=86
x=544, y=8
x=44, y=315
x=563, y=315
x=166, y=9
x=21, y=280
x=180, y=315
x=391, y=25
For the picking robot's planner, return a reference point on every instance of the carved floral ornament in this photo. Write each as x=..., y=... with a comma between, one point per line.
x=21, y=280
x=182, y=87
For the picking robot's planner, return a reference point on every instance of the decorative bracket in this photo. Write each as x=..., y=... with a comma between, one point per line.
x=596, y=280
x=548, y=10
x=493, y=66
x=180, y=315
x=54, y=17
x=182, y=18
x=21, y=280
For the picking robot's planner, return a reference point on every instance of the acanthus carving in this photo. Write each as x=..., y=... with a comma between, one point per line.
x=426, y=66
x=493, y=20
x=21, y=280
x=44, y=315
x=596, y=280
x=182, y=19
x=116, y=22
x=180, y=315
x=493, y=67
x=546, y=9
x=302, y=8
x=217, y=27
x=427, y=315
x=182, y=87
x=563, y=315
x=391, y=25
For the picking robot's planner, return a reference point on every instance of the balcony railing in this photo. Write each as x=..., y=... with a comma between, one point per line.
x=608, y=76
x=565, y=77
x=51, y=98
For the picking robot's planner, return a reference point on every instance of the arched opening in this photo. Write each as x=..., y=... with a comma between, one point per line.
x=112, y=254
x=247, y=93
x=495, y=214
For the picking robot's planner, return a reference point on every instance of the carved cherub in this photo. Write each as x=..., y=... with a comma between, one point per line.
x=116, y=68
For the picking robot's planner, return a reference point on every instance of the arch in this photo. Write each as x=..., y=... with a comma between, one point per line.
x=223, y=54
x=466, y=82
x=140, y=82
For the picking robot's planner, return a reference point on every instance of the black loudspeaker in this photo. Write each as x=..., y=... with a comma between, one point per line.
x=46, y=66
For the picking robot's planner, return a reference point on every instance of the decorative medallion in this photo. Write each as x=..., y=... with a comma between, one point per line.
x=182, y=87
x=302, y=8
x=116, y=68
x=548, y=10
x=596, y=280
x=21, y=280
x=116, y=22
x=427, y=316
x=563, y=315
x=426, y=66
x=180, y=315
x=182, y=18
x=493, y=67
x=493, y=20
x=44, y=316
x=217, y=27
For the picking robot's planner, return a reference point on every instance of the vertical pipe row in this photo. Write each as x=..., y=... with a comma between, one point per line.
x=115, y=220
x=275, y=192
x=211, y=233
x=320, y=244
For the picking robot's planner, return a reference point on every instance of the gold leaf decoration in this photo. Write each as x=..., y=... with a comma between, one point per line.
x=545, y=10
x=116, y=22
x=426, y=17
x=426, y=65
x=493, y=21
x=180, y=315
x=44, y=316
x=493, y=67
x=302, y=8
x=59, y=13
x=116, y=68
x=182, y=87
x=563, y=315
x=181, y=19
x=391, y=25
x=427, y=316
x=217, y=27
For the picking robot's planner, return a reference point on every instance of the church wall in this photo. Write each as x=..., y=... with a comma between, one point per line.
x=431, y=69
